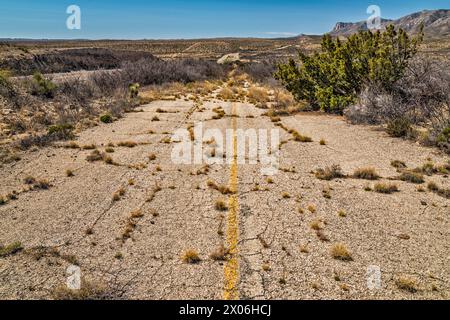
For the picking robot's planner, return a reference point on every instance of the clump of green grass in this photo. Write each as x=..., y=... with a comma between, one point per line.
x=386, y=188
x=190, y=257
x=10, y=249
x=106, y=118
x=366, y=174
x=329, y=173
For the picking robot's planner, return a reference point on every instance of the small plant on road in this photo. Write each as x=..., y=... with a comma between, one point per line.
x=190, y=257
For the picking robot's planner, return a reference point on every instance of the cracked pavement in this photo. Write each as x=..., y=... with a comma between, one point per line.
x=182, y=216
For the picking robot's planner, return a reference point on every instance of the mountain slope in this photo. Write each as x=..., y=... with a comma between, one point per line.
x=436, y=24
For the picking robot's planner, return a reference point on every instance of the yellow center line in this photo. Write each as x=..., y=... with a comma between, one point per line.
x=231, y=269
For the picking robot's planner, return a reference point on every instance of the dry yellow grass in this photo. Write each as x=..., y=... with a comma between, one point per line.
x=190, y=257
x=407, y=284
x=340, y=252
x=258, y=94
x=366, y=174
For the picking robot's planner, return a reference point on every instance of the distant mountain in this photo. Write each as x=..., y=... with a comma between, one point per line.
x=436, y=24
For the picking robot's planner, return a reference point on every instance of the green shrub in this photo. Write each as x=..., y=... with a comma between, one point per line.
x=42, y=86
x=106, y=118
x=398, y=128
x=61, y=132
x=133, y=89
x=332, y=79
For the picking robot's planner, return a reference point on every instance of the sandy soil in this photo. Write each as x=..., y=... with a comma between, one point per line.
x=406, y=234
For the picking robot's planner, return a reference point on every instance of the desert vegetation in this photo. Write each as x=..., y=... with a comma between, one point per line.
x=384, y=81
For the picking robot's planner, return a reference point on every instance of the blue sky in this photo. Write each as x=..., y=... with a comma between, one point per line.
x=175, y=19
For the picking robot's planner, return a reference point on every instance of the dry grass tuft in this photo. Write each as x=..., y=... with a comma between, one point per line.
x=220, y=205
x=316, y=225
x=312, y=208
x=220, y=254
x=340, y=252
x=190, y=257
x=258, y=94
x=127, y=144
x=407, y=284
x=89, y=291
x=366, y=174
x=301, y=138
x=411, y=176
x=386, y=188
x=322, y=236
x=304, y=248
x=10, y=249
x=69, y=173
x=329, y=173
x=89, y=147
x=226, y=94
x=72, y=145
x=323, y=142
x=342, y=213
x=286, y=195
x=398, y=164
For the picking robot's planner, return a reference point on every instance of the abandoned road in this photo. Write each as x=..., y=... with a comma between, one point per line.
x=141, y=227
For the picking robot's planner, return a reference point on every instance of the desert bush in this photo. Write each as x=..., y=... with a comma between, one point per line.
x=366, y=174
x=40, y=86
x=76, y=91
x=7, y=89
x=422, y=96
x=400, y=127
x=261, y=72
x=258, y=94
x=332, y=79
x=106, y=118
x=329, y=173
x=155, y=71
x=133, y=90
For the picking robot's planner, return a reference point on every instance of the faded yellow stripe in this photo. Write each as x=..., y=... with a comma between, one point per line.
x=231, y=269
